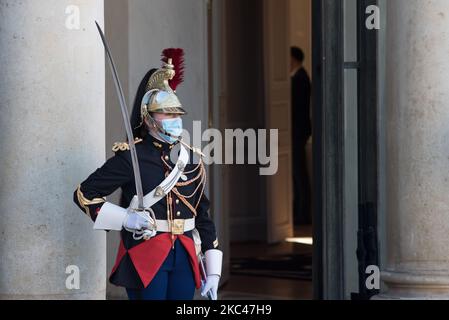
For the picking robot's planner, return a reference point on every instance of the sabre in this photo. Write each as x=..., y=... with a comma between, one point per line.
x=129, y=133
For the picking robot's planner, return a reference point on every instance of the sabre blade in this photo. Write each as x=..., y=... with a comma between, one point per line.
x=125, y=114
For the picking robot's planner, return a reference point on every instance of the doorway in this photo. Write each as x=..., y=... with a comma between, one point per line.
x=250, y=88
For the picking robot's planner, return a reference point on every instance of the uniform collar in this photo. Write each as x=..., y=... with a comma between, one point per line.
x=158, y=144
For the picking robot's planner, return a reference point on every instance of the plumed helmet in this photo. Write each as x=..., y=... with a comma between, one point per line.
x=160, y=93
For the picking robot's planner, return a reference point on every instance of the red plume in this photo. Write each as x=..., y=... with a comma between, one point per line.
x=177, y=56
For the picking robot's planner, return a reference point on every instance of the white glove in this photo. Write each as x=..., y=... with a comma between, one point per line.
x=211, y=286
x=136, y=221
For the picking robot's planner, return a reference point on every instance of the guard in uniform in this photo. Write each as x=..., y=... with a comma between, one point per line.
x=164, y=264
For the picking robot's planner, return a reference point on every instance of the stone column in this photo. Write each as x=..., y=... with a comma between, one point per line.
x=417, y=91
x=52, y=106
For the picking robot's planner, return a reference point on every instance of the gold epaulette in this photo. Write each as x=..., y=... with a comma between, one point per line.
x=124, y=146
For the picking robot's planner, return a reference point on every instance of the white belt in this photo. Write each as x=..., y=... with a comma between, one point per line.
x=179, y=226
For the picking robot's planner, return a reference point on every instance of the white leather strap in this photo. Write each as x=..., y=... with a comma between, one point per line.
x=153, y=197
x=163, y=226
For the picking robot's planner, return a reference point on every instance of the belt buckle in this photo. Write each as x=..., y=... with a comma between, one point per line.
x=178, y=226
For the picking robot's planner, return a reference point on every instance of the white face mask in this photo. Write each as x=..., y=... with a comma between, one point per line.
x=173, y=127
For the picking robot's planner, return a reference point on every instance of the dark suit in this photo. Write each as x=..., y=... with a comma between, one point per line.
x=301, y=132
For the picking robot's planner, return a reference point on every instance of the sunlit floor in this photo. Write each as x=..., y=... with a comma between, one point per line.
x=242, y=287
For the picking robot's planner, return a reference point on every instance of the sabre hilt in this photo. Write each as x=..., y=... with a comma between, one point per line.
x=147, y=234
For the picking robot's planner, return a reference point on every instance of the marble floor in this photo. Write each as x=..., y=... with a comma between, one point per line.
x=240, y=287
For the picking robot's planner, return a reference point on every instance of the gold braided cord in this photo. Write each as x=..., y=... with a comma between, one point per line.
x=201, y=175
x=183, y=197
x=186, y=183
x=189, y=182
x=183, y=200
x=202, y=192
x=196, y=168
x=202, y=184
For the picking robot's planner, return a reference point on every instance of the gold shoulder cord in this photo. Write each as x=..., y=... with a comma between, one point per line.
x=85, y=203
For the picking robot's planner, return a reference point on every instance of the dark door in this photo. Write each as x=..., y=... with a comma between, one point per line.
x=345, y=148
x=367, y=244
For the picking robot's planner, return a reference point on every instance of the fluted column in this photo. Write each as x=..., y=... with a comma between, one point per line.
x=52, y=120
x=417, y=150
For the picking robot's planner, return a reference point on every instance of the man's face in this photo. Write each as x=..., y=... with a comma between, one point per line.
x=293, y=64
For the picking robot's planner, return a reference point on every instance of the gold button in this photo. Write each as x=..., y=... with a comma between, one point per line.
x=166, y=158
x=177, y=201
x=178, y=213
